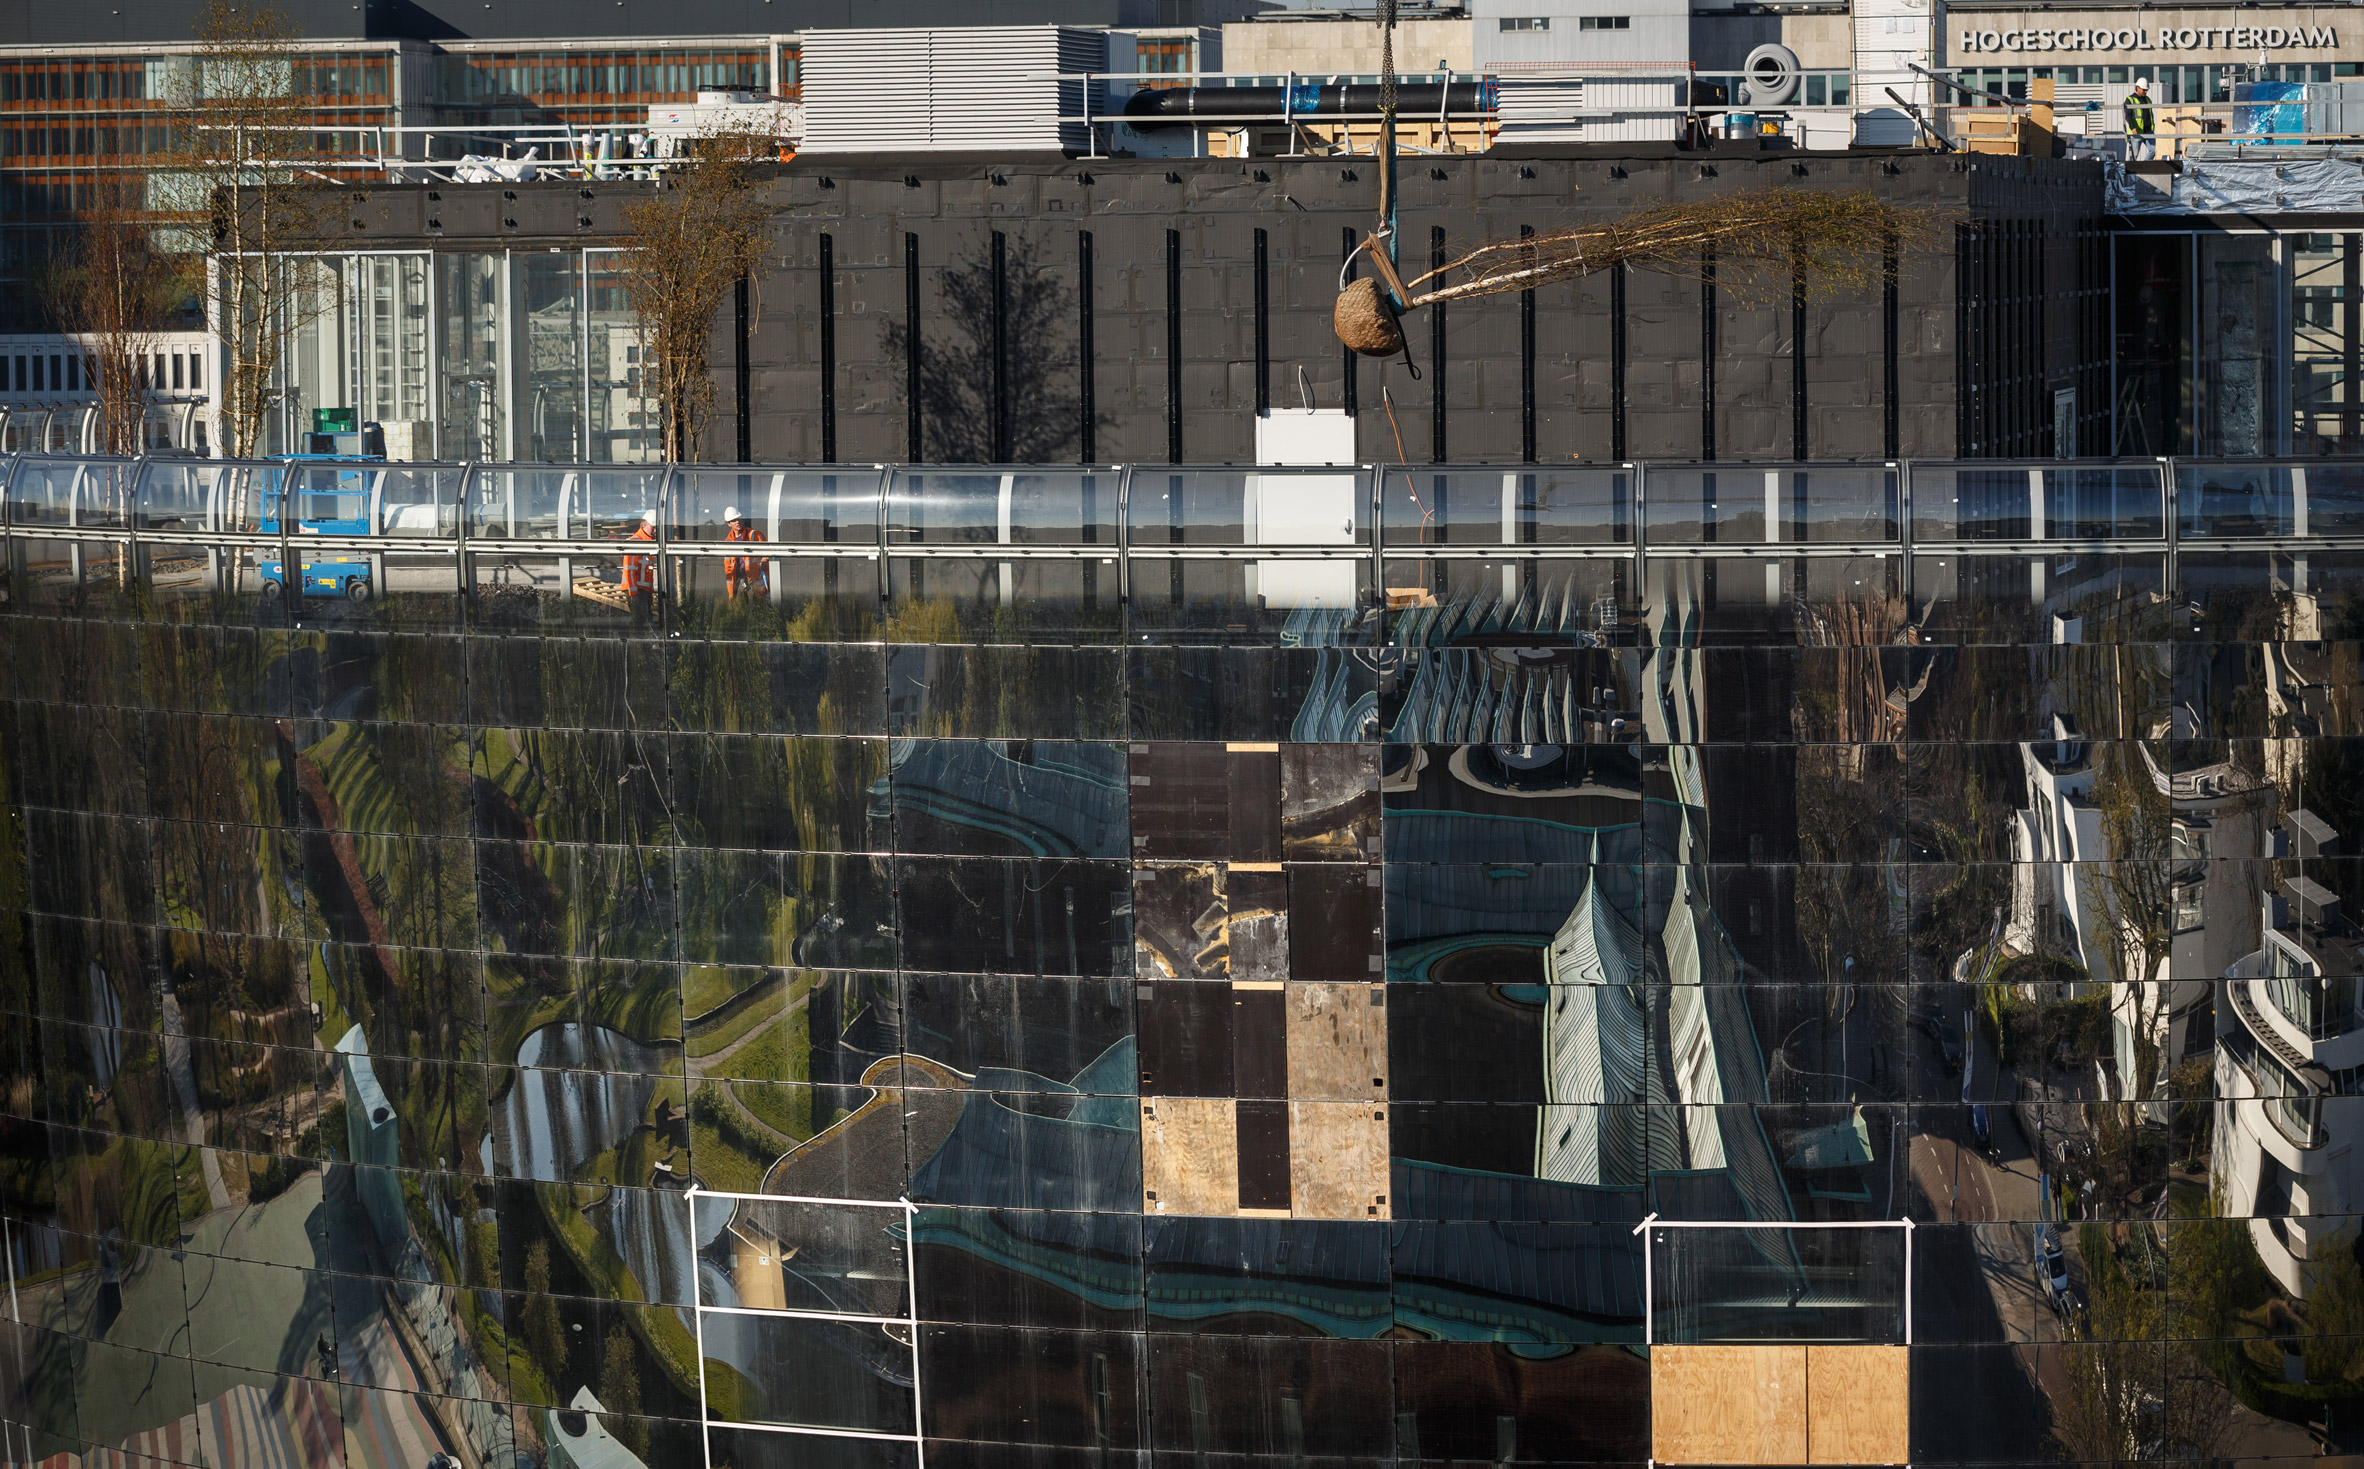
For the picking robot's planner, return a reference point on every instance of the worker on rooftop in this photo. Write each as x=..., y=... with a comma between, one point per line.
x=750, y=574
x=2142, y=124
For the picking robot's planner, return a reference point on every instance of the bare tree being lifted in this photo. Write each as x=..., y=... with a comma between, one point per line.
x=1761, y=237
x=248, y=163
x=689, y=244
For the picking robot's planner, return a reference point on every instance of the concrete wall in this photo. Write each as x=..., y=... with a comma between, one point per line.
x=1334, y=47
x=1306, y=209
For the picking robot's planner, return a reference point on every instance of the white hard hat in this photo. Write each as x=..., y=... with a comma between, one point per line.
x=2142, y=84
x=648, y=517
x=732, y=513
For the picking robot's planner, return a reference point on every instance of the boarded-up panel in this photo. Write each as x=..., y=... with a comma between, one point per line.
x=1180, y=929
x=1255, y=803
x=1181, y=803
x=1333, y=923
x=1258, y=905
x=1189, y=1156
x=1858, y=1405
x=1338, y=1042
x=1259, y=1041
x=1338, y=1160
x=1186, y=1043
x=1263, y=1156
x=1329, y=802
x=1728, y=1405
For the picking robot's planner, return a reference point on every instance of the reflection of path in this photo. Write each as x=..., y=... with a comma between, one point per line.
x=852, y=1157
x=389, y=1428
x=184, y=1083
x=292, y=1426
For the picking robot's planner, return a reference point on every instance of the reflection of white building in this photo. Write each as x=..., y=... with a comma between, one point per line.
x=2058, y=827
x=2290, y=1038
x=578, y=1440
x=374, y=1135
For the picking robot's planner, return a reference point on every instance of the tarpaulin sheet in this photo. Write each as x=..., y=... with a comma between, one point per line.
x=2213, y=186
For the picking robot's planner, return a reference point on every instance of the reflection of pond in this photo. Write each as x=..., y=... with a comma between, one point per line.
x=580, y=1090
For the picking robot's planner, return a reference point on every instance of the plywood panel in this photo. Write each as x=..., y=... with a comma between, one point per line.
x=1338, y=1160
x=1858, y=1403
x=1189, y=1156
x=1728, y=1404
x=1338, y=1042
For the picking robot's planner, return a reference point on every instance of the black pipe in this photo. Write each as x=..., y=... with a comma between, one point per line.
x=740, y=376
x=1173, y=346
x=1347, y=355
x=1263, y=327
x=1707, y=355
x=1153, y=109
x=1087, y=407
x=1890, y=421
x=1436, y=351
x=828, y=350
x=911, y=445
x=1799, y=427
x=1001, y=349
x=1527, y=364
x=1617, y=361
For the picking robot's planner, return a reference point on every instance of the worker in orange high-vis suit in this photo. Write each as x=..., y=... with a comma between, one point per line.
x=640, y=572
x=749, y=574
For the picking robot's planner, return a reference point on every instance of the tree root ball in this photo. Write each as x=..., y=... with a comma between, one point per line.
x=1365, y=320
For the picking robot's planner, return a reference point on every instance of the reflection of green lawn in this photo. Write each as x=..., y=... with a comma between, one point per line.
x=704, y=987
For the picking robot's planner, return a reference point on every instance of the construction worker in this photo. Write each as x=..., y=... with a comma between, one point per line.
x=2142, y=124
x=749, y=573
x=640, y=572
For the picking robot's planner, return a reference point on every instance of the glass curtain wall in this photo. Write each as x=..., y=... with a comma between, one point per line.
x=523, y=355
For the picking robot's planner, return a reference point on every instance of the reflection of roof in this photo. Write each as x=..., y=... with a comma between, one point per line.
x=1840, y=1145
x=367, y=1094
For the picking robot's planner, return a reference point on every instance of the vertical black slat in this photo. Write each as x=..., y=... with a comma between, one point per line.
x=1001, y=348
x=1259, y=1040
x=911, y=424
x=1798, y=445
x=1087, y=406
x=1263, y=1154
x=1263, y=326
x=741, y=377
x=828, y=350
x=1255, y=806
x=1891, y=420
x=1707, y=354
x=2351, y=344
x=1333, y=922
x=1436, y=351
x=1617, y=361
x=1527, y=365
x=1173, y=346
x=1346, y=354
x=1965, y=444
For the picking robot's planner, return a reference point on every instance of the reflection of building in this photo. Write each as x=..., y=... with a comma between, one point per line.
x=578, y=1440
x=2290, y=1045
x=2057, y=828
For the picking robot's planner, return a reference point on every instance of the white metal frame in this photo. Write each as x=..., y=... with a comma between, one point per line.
x=910, y=1321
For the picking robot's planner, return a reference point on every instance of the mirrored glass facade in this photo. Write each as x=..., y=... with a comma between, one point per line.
x=593, y=964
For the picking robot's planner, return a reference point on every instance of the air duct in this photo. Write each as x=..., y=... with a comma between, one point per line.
x=1773, y=74
x=1153, y=109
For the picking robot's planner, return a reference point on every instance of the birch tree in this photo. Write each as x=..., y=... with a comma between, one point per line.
x=250, y=172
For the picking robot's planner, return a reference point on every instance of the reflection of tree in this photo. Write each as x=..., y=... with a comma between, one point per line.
x=2128, y=892
x=956, y=368
x=2139, y=1381
x=619, y=1391
x=545, y=1337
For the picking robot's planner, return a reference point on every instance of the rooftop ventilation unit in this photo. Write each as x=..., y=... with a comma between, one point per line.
x=969, y=89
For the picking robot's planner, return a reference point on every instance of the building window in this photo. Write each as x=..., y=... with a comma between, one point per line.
x=1528, y=23
x=1605, y=23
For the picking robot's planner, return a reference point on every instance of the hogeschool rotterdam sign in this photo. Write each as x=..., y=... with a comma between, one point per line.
x=2153, y=38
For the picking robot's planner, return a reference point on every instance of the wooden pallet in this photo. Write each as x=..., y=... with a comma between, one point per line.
x=593, y=589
